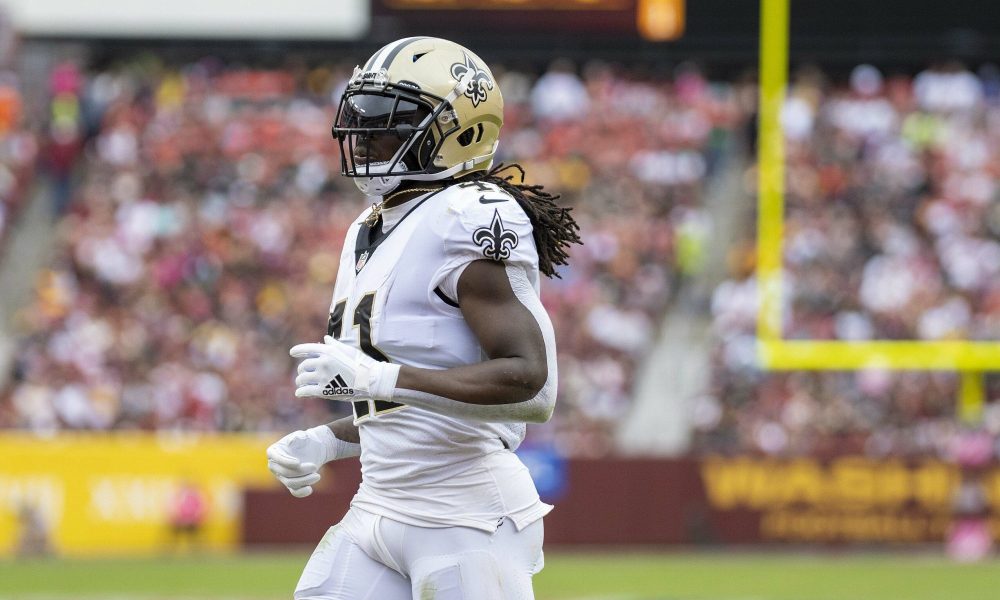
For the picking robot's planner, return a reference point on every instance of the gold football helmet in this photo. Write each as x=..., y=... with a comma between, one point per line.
x=421, y=108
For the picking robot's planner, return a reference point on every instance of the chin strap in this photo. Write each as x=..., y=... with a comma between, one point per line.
x=377, y=186
x=381, y=184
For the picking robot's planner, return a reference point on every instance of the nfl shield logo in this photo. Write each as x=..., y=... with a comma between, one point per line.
x=361, y=261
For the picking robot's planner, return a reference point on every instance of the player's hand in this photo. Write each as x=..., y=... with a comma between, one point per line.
x=295, y=459
x=336, y=371
x=328, y=370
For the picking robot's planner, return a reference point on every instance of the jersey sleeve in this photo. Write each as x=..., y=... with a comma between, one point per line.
x=483, y=223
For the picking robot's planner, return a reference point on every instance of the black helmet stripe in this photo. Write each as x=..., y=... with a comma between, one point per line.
x=391, y=50
x=370, y=65
x=395, y=51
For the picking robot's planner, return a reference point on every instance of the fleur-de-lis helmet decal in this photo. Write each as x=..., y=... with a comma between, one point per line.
x=438, y=98
x=495, y=240
x=481, y=84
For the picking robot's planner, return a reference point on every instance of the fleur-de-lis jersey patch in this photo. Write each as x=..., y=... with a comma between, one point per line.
x=495, y=240
x=479, y=88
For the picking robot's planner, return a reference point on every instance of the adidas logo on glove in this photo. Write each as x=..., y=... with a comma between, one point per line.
x=338, y=387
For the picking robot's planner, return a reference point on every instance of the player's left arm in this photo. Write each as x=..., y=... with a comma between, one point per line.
x=515, y=384
x=510, y=337
x=488, y=247
x=517, y=381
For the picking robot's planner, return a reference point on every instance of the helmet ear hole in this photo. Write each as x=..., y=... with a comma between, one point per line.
x=465, y=138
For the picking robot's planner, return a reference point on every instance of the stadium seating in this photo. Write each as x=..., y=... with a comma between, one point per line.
x=18, y=151
x=892, y=232
x=204, y=230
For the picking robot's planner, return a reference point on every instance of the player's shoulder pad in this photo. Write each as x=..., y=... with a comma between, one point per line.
x=482, y=218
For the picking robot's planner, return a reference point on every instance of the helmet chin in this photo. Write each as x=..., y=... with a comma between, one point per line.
x=382, y=185
x=377, y=186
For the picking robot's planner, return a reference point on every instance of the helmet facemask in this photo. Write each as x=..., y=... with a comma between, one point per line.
x=389, y=132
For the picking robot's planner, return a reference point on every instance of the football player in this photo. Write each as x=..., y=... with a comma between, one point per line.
x=437, y=339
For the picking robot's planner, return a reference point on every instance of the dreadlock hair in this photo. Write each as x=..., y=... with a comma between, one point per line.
x=553, y=228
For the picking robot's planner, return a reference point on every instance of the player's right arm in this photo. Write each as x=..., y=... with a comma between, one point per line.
x=295, y=460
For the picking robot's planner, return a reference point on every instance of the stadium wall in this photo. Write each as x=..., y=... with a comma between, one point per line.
x=87, y=494
x=713, y=500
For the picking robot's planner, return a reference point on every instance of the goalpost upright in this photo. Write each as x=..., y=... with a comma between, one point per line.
x=970, y=358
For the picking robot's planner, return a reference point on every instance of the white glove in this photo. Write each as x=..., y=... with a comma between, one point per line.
x=336, y=371
x=296, y=458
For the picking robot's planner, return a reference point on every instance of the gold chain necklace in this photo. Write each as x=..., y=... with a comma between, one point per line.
x=377, y=207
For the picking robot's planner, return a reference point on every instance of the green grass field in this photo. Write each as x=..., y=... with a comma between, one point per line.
x=622, y=576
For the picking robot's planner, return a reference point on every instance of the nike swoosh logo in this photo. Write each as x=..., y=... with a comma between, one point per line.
x=485, y=200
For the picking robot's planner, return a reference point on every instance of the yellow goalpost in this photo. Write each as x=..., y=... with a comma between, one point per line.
x=969, y=358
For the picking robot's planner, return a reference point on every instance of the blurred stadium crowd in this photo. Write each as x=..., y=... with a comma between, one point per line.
x=18, y=151
x=201, y=215
x=892, y=231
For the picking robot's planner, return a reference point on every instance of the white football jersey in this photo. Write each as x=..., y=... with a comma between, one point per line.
x=395, y=298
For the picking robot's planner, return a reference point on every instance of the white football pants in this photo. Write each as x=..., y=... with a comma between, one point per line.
x=370, y=557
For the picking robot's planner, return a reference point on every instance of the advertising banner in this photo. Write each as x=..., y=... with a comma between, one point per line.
x=82, y=495
x=849, y=499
